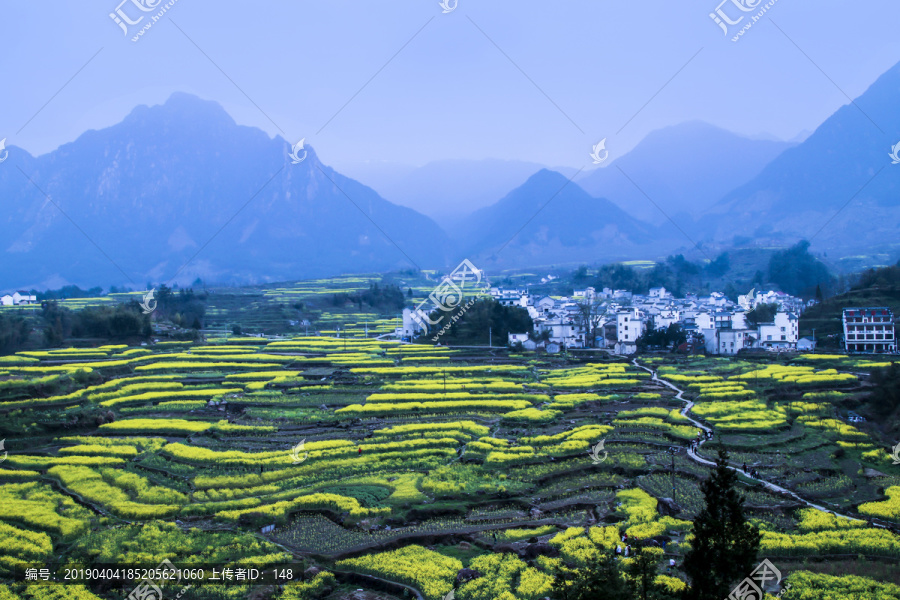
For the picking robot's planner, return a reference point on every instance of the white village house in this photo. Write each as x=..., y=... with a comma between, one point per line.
x=18, y=298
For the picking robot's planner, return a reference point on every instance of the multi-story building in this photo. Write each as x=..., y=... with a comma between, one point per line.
x=732, y=341
x=511, y=297
x=629, y=325
x=869, y=330
x=564, y=331
x=782, y=333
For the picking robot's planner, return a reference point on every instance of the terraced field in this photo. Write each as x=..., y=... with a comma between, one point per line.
x=394, y=467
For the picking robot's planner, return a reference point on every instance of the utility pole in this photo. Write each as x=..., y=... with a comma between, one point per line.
x=673, y=450
x=673, y=477
x=490, y=336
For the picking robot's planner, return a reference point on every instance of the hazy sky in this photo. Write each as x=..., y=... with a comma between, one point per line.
x=459, y=85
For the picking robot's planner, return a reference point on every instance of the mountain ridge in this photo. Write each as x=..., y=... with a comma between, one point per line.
x=176, y=178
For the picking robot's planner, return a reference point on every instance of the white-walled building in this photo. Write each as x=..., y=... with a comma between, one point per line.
x=666, y=318
x=18, y=298
x=869, y=330
x=805, y=344
x=545, y=305
x=24, y=298
x=783, y=332
x=512, y=297
x=517, y=338
x=564, y=332
x=732, y=341
x=625, y=318
x=411, y=325
x=705, y=321
x=629, y=325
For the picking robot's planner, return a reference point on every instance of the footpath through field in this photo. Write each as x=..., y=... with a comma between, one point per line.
x=697, y=458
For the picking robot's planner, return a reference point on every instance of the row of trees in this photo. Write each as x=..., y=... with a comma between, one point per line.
x=794, y=270
x=388, y=298
x=14, y=333
x=663, y=337
x=799, y=273
x=676, y=274
x=723, y=553
x=484, y=320
x=54, y=324
x=183, y=308
x=106, y=322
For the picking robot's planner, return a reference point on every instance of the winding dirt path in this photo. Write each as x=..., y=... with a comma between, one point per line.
x=699, y=459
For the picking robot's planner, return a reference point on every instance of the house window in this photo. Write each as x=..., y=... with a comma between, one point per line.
x=768, y=338
x=782, y=328
x=783, y=338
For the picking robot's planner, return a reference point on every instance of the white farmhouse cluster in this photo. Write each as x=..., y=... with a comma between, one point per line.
x=17, y=299
x=615, y=319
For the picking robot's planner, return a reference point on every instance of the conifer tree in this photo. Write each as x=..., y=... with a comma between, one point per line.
x=725, y=546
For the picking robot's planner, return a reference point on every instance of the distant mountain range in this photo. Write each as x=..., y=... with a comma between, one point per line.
x=181, y=178
x=838, y=186
x=448, y=190
x=181, y=189
x=684, y=169
x=548, y=220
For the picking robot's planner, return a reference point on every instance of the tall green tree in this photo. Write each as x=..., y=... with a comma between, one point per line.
x=599, y=580
x=725, y=546
x=641, y=572
x=720, y=266
x=471, y=324
x=762, y=313
x=798, y=272
x=884, y=399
